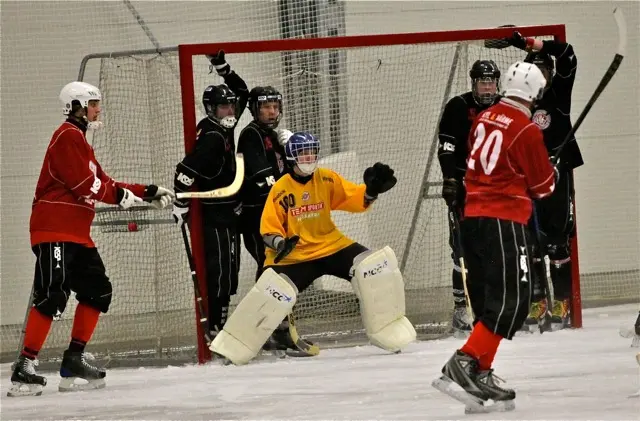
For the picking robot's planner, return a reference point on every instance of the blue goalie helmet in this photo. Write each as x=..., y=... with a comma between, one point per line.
x=303, y=149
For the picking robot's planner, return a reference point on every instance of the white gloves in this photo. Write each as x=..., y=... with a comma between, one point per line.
x=180, y=213
x=128, y=198
x=283, y=136
x=164, y=197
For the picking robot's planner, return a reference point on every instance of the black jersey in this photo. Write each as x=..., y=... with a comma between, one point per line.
x=212, y=164
x=453, y=134
x=552, y=112
x=265, y=163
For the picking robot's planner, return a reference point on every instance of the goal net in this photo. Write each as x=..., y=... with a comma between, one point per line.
x=367, y=98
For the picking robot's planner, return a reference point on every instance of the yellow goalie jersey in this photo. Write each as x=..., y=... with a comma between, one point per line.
x=293, y=208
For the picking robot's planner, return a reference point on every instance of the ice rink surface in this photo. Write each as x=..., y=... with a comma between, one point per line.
x=585, y=374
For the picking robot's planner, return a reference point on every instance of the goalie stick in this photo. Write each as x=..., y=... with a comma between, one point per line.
x=611, y=71
x=227, y=191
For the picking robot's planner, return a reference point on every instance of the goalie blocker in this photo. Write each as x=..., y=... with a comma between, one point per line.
x=376, y=280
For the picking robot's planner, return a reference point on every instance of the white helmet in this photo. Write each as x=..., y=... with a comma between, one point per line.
x=78, y=91
x=524, y=81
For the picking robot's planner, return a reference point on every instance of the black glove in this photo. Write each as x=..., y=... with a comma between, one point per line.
x=450, y=188
x=219, y=63
x=517, y=40
x=285, y=247
x=378, y=179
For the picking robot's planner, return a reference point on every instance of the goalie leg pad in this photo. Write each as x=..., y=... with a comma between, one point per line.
x=258, y=314
x=379, y=286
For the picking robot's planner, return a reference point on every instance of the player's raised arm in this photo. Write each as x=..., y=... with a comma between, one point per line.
x=351, y=197
x=232, y=80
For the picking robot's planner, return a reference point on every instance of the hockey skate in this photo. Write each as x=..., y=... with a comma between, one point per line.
x=539, y=318
x=478, y=390
x=25, y=381
x=560, y=316
x=75, y=367
x=285, y=338
x=461, y=324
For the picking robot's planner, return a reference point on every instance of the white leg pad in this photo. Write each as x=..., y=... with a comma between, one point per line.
x=258, y=314
x=379, y=286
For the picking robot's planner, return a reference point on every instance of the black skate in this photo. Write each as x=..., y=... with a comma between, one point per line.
x=478, y=390
x=75, y=366
x=25, y=381
x=461, y=323
x=539, y=318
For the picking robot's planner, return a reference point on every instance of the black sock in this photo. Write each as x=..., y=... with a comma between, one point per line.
x=458, y=289
x=76, y=345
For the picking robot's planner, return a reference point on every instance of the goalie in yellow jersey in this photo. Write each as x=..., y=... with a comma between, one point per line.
x=304, y=244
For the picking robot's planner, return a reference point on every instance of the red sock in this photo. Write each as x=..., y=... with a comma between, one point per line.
x=38, y=326
x=482, y=345
x=84, y=323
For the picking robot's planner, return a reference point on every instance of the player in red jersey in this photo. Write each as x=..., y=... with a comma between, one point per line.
x=70, y=182
x=508, y=167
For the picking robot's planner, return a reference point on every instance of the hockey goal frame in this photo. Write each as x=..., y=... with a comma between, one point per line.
x=186, y=52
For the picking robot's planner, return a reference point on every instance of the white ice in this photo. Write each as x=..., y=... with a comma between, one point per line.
x=568, y=375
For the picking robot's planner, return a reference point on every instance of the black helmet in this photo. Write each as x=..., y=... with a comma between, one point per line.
x=543, y=61
x=481, y=71
x=261, y=94
x=215, y=95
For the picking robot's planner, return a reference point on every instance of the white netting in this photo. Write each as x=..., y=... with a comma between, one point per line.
x=365, y=104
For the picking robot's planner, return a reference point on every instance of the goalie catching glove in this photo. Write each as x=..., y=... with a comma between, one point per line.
x=378, y=179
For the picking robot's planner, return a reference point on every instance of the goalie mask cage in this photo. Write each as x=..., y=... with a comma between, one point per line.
x=367, y=98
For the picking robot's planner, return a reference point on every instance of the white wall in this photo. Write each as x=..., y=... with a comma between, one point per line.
x=43, y=43
x=42, y=46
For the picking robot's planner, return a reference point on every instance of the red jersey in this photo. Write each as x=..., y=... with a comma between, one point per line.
x=70, y=182
x=508, y=164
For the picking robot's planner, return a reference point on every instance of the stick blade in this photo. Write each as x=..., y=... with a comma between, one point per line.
x=498, y=44
x=622, y=30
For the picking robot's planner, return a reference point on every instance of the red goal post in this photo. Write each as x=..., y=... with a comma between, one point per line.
x=188, y=52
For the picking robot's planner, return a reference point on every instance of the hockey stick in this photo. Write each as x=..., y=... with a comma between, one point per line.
x=457, y=236
x=611, y=71
x=196, y=286
x=228, y=191
x=304, y=347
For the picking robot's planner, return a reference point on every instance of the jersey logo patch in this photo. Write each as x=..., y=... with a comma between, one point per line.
x=542, y=119
x=267, y=143
x=309, y=211
x=305, y=196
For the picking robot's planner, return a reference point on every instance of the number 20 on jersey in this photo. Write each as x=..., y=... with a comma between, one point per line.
x=491, y=147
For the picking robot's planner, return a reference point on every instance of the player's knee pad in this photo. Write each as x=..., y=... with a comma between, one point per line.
x=258, y=314
x=52, y=304
x=379, y=286
x=99, y=297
